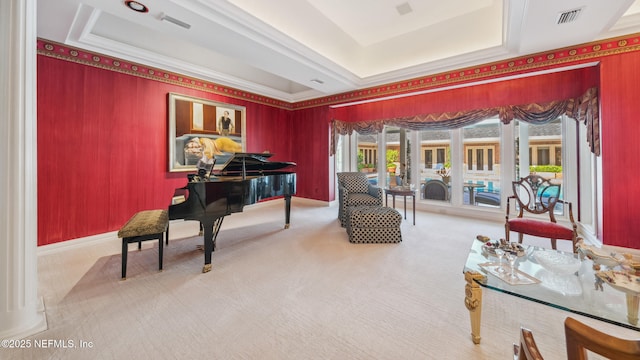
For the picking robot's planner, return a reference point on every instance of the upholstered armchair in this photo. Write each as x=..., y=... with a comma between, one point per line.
x=535, y=195
x=354, y=189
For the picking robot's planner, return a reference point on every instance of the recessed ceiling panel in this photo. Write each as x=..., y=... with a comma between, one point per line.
x=370, y=22
x=371, y=37
x=140, y=37
x=296, y=50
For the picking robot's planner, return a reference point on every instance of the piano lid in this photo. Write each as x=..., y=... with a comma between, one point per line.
x=253, y=163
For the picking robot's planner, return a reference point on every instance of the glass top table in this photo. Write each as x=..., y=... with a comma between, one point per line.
x=600, y=297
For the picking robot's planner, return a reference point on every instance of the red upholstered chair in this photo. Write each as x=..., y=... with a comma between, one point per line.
x=535, y=195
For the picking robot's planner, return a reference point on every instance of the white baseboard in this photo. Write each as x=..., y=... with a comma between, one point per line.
x=305, y=201
x=78, y=243
x=39, y=325
x=111, y=238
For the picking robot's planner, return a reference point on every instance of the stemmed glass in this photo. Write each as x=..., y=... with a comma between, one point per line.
x=511, y=257
x=500, y=255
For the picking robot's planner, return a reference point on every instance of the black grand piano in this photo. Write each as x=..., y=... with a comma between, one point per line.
x=246, y=178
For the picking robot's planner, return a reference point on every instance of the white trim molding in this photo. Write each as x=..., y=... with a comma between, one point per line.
x=21, y=310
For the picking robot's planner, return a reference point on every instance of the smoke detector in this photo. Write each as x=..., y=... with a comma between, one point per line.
x=404, y=8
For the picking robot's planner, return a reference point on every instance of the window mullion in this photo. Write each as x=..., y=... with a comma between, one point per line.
x=457, y=162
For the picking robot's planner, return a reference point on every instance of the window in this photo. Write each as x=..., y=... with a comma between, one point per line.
x=490, y=159
x=432, y=144
x=543, y=156
x=367, y=146
x=586, y=185
x=558, y=155
x=441, y=156
x=473, y=155
x=482, y=142
x=428, y=158
x=369, y=155
x=542, y=140
x=479, y=159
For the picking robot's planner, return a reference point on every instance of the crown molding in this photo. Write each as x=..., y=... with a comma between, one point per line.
x=565, y=57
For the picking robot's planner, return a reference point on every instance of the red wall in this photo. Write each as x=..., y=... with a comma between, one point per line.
x=311, y=148
x=102, y=140
x=102, y=146
x=619, y=93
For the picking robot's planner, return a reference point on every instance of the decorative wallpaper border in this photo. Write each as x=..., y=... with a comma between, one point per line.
x=64, y=52
x=573, y=54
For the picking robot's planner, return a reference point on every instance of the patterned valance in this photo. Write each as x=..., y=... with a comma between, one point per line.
x=583, y=109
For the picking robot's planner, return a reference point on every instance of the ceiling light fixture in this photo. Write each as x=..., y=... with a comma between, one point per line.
x=136, y=6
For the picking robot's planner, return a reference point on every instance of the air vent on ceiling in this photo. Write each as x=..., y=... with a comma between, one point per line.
x=568, y=16
x=165, y=17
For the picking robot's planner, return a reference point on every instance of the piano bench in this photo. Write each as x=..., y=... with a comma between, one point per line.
x=144, y=225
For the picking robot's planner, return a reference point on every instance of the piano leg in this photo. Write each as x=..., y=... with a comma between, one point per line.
x=211, y=229
x=287, y=210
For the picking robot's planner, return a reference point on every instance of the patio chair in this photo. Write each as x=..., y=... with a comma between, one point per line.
x=436, y=190
x=535, y=195
x=489, y=196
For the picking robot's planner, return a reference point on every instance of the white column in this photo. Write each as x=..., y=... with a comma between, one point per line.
x=21, y=312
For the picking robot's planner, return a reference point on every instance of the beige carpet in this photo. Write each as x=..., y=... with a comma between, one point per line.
x=301, y=293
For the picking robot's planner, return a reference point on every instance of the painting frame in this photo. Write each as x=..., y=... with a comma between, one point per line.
x=192, y=120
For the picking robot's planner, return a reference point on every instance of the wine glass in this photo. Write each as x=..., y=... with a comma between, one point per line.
x=500, y=255
x=511, y=257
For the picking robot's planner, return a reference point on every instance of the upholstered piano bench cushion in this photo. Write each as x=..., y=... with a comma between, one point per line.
x=144, y=225
x=145, y=222
x=373, y=224
x=544, y=229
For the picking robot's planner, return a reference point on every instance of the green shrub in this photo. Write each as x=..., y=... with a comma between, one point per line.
x=545, y=168
x=393, y=156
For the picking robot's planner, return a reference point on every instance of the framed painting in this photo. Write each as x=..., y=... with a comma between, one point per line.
x=202, y=130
